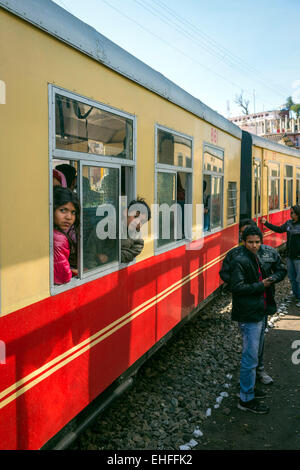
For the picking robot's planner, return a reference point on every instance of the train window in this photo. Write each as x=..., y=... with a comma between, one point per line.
x=288, y=186
x=100, y=216
x=213, y=160
x=174, y=149
x=81, y=127
x=213, y=178
x=257, y=187
x=274, y=185
x=173, y=187
x=232, y=202
x=92, y=152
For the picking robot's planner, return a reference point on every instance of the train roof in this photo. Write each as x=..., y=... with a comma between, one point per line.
x=50, y=17
x=274, y=146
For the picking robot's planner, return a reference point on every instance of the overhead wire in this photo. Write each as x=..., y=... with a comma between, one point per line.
x=213, y=43
x=220, y=55
x=193, y=59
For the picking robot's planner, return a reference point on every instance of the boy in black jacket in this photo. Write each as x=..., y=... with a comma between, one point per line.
x=254, y=272
x=225, y=273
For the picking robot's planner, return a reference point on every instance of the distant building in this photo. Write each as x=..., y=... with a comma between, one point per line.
x=275, y=125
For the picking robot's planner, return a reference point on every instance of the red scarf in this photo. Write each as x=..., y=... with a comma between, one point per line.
x=261, y=278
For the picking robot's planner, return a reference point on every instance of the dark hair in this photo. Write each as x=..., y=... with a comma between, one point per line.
x=62, y=196
x=141, y=200
x=252, y=230
x=296, y=209
x=244, y=222
x=69, y=171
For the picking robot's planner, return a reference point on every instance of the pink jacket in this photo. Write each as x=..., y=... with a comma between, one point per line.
x=61, y=253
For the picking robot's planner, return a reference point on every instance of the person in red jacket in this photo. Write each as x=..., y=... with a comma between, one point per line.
x=66, y=218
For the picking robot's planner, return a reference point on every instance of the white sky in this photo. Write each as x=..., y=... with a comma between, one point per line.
x=213, y=50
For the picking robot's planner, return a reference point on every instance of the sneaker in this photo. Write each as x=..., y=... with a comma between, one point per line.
x=290, y=298
x=259, y=393
x=254, y=406
x=263, y=377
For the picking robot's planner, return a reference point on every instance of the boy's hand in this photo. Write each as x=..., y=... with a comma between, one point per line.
x=268, y=281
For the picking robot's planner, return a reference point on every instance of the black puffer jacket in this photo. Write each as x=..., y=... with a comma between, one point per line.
x=247, y=290
x=293, y=236
x=226, y=269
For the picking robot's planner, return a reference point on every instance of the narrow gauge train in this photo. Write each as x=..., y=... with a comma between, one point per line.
x=70, y=96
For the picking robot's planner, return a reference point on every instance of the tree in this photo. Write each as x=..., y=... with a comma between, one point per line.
x=289, y=103
x=243, y=103
x=296, y=108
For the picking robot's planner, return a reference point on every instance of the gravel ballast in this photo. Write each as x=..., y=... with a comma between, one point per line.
x=180, y=387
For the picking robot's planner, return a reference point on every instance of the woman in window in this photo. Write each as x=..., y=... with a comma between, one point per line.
x=66, y=218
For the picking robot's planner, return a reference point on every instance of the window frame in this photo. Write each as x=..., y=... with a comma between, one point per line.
x=286, y=179
x=235, y=216
x=106, y=267
x=165, y=168
x=279, y=187
x=84, y=159
x=216, y=174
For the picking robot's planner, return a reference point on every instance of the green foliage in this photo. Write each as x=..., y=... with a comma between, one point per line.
x=289, y=102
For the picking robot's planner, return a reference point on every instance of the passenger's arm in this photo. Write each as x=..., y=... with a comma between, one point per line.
x=276, y=228
x=279, y=270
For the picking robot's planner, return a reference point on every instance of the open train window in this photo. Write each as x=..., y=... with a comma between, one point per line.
x=274, y=185
x=174, y=156
x=93, y=144
x=213, y=180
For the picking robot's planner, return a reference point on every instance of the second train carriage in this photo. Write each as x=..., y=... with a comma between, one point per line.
x=74, y=97
x=270, y=183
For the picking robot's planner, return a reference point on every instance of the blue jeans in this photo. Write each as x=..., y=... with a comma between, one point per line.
x=253, y=340
x=293, y=271
x=260, y=365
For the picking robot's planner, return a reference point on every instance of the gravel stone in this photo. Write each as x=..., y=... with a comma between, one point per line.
x=172, y=392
